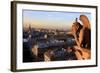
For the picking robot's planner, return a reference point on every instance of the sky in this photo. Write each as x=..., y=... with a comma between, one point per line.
x=51, y=19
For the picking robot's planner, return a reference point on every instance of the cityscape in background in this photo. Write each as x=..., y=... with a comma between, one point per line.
x=45, y=45
x=48, y=42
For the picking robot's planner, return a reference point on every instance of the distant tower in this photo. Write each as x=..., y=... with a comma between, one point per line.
x=30, y=28
x=30, y=31
x=76, y=20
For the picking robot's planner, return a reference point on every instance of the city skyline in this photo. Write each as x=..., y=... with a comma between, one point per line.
x=51, y=19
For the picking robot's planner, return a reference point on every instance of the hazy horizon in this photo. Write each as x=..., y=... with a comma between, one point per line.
x=50, y=19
